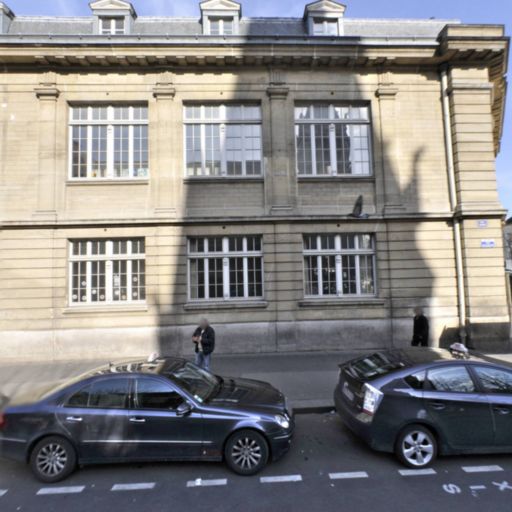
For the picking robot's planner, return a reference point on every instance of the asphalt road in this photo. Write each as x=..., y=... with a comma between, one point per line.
x=326, y=470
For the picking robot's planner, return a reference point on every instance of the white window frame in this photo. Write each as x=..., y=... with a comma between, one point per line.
x=221, y=20
x=338, y=252
x=226, y=255
x=326, y=22
x=108, y=257
x=111, y=30
x=332, y=122
x=110, y=123
x=222, y=121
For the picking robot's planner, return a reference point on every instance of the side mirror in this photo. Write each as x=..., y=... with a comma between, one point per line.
x=184, y=410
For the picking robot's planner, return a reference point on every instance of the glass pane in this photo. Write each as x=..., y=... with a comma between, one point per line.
x=455, y=379
x=366, y=274
x=348, y=275
x=79, y=281
x=322, y=145
x=252, y=149
x=140, y=151
x=79, y=152
x=138, y=278
x=255, y=275
x=310, y=242
x=109, y=394
x=196, y=245
x=228, y=27
x=348, y=241
x=215, y=277
x=303, y=144
x=329, y=275
x=236, y=277
x=214, y=27
x=311, y=275
x=234, y=149
x=121, y=151
x=253, y=243
x=236, y=244
x=153, y=394
x=212, y=150
x=119, y=280
x=193, y=150
x=327, y=242
x=197, y=279
x=494, y=380
x=98, y=281
x=99, y=152
x=215, y=244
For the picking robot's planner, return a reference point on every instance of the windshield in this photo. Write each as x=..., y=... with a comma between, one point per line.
x=199, y=383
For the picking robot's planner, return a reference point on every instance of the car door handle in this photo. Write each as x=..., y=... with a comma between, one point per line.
x=137, y=420
x=438, y=406
x=74, y=419
x=501, y=410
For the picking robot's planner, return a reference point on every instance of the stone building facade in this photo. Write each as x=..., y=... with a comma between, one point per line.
x=303, y=183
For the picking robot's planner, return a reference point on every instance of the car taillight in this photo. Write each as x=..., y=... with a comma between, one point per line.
x=372, y=399
x=3, y=420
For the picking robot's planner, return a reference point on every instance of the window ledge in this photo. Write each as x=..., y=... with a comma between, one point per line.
x=338, y=177
x=103, y=181
x=341, y=302
x=220, y=179
x=107, y=308
x=198, y=306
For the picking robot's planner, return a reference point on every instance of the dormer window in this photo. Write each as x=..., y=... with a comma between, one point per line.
x=113, y=17
x=325, y=27
x=112, y=26
x=221, y=26
x=220, y=17
x=324, y=18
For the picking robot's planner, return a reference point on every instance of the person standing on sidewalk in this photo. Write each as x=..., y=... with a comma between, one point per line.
x=204, y=339
x=420, y=329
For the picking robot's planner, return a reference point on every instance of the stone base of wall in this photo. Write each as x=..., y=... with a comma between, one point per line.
x=236, y=338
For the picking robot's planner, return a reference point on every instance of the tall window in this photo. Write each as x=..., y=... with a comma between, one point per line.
x=221, y=26
x=332, y=140
x=109, y=142
x=224, y=268
x=223, y=140
x=339, y=265
x=112, y=25
x=325, y=27
x=107, y=271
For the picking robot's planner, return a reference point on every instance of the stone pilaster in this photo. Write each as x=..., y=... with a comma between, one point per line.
x=280, y=177
x=47, y=94
x=386, y=93
x=163, y=137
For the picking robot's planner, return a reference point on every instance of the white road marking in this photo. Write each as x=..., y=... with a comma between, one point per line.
x=133, y=487
x=280, y=479
x=61, y=490
x=346, y=476
x=481, y=469
x=3, y=492
x=198, y=482
x=417, y=472
x=478, y=487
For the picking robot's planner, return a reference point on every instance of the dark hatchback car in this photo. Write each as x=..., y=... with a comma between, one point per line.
x=423, y=402
x=166, y=409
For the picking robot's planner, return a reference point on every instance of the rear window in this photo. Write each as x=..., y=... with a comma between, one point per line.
x=377, y=365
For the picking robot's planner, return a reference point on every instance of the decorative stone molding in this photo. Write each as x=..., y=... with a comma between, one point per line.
x=387, y=91
x=277, y=91
x=163, y=91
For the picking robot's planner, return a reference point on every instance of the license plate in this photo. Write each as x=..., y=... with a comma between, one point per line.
x=347, y=392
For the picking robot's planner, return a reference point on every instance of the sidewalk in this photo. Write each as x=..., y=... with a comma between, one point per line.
x=308, y=379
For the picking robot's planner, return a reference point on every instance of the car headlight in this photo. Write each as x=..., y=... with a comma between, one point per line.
x=282, y=421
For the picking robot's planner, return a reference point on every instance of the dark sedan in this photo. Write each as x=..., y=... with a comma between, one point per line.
x=423, y=402
x=166, y=409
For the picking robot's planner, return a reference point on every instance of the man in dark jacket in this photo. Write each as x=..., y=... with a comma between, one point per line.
x=420, y=330
x=204, y=339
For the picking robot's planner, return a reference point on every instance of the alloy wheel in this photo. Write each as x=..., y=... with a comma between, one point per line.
x=51, y=459
x=418, y=448
x=246, y=453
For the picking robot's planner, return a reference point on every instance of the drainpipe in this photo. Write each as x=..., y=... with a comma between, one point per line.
x=461, y=295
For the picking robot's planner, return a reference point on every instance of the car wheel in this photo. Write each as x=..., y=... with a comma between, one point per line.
x=246, y=452
x=52, y=459
x=416, y=446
